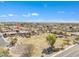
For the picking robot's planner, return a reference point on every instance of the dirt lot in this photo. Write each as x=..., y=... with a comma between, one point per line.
x=39, y=41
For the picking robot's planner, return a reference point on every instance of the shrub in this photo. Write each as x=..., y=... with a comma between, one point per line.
x=4, y=52
x=66, y=42
x=29, y=50
x=51, y=38
x=13, y=41
x=77, y=38
x=24, y=50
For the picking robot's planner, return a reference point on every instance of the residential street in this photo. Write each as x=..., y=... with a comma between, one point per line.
x=3, y=43
x=72, y=52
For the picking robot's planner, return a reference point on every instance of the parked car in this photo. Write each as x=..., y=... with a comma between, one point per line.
x=48, y=50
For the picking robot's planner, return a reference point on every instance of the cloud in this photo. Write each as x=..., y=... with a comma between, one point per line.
x=35, y=14
x=30, y=14
x=6, y=15
x=10, y=15
x=61, y=12
x=3, y=15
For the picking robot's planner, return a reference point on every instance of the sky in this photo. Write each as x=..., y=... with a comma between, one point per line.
x=39, y=11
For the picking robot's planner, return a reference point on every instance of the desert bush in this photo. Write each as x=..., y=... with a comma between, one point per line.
x=62, y=46
x=51, y=38
x=28, y=35
x=56, y=49
x=24, y=50
x=13, y=41
x=66, y=42
x=5, y=35
x=61, y=33
x=74, y=42
x=4, y=52
x=77, y=38
x=29, y=50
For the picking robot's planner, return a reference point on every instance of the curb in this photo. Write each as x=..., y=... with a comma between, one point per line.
x=63, y=50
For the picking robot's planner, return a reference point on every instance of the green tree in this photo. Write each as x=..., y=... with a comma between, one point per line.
x=51, y=38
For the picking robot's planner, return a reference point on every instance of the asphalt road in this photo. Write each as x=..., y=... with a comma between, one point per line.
x=72, y=52
x=3, y=43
